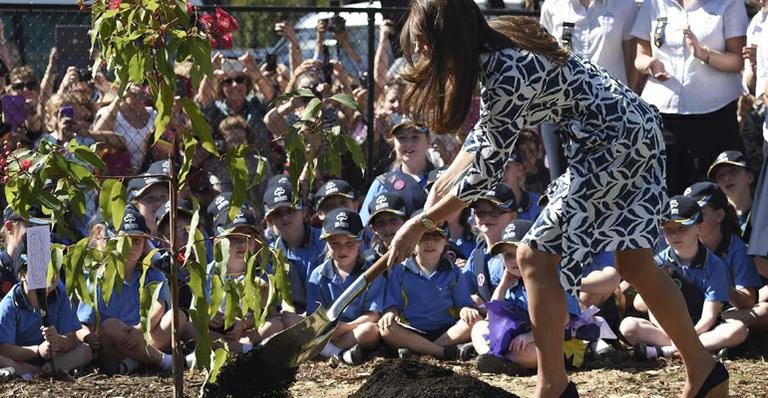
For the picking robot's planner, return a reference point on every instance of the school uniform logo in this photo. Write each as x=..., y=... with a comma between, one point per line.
x=341, y=221
x=381, y=203
x=480, y=279
x=398, y=184
x=220, y=202
x=673, y=205
x=280, y=195
x=331, y=188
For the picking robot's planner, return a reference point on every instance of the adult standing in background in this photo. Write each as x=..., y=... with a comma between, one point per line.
x=598, y=30
x=692, y=52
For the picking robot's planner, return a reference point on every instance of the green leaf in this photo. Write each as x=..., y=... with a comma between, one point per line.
x=136, y=70
x=282, y=282
x=312, y=110
x=108, y=280
x=148, y=294
x=355, y=150
x=190, y=147
x=49, y=201
x=199, y=313
x=112, y=201
x=199, y=125
x=164, y=105
x=87, y=156
x=219, y=357
x=238, y=172
x=346, y=100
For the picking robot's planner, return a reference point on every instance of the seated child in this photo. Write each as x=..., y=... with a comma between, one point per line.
x=703, y=278
x=387, y=214
x=428, y=305
x=356, y=331
x=501, y=347
x=241, y=232
x=29, y=346
x=119, y=338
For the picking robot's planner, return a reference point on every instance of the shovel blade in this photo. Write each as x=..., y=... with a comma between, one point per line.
x=298, y=343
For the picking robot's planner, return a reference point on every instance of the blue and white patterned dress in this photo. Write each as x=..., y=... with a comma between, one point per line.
x=613, y=195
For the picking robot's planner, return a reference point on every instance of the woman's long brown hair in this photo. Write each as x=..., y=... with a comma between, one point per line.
x=444, y=72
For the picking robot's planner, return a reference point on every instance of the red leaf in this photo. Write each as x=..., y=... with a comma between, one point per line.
x=114, y=4
x=225, y=41
x=213, y=42
x=26, y=164
x=189, y=8
x=207, y=20
x=225, y=23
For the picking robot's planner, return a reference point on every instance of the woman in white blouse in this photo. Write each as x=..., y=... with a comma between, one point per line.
x=599, y=31
x=692, y=52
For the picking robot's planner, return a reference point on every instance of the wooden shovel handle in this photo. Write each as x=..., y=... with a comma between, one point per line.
x=376, y=269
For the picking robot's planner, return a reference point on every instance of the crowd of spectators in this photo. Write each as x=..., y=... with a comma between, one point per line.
x=702, y=65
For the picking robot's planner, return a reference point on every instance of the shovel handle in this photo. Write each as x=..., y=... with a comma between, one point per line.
x=377, y=268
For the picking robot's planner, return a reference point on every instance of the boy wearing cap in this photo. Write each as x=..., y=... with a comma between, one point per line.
x=732, y=174
x=26, y=344
x=428, y=306
x=388, y=214
x=300, y=242
x=149, y=193
x=703, y=278
x=119, y=338
x=520, y=351
x=493, y=212
x=334, y=194
x=241, y=233
x=356, y=331
x=720, y=234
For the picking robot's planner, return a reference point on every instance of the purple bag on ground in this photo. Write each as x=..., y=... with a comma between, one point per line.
x=506, y=320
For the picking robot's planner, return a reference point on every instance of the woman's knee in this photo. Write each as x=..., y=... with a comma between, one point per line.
x=533, y=262
x=634, y=264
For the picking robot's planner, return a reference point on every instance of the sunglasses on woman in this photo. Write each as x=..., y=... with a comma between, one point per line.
x=239, y=80
x=30, y=85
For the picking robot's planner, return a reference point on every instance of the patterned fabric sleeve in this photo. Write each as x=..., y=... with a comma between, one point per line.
x=506, y=95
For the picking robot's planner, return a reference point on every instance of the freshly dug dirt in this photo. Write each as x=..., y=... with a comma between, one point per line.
x=248, y=376
x=406, y=377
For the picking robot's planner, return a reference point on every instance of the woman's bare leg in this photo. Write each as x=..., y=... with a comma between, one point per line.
x=546, y=304
x=665, y=301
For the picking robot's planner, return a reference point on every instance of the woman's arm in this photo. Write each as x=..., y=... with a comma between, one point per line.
x=633, y=76
x=646, y=63
x=46, y=85
x=730, y=60
x=206, y=93
x=275, y=118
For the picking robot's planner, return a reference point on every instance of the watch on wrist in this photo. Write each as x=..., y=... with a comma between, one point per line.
x=426, y=222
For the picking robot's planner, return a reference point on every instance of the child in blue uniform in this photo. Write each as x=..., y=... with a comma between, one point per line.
x=387, y=214
x=299, y=242
x=720, y=234
x=510, y=350
x=356, y=331
x=702, y=276
x=483, y=271
x=732, y=174
x=428, y=306
x=119, y=337
x=241, y=232
x=26, y=344
x=514, y=177
x=14, y=228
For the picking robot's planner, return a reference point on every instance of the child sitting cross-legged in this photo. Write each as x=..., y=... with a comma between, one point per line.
x=703, y=279
x=428, y=306
x=241, y=233
x=356, y=331
x=505, y=341
x=26, y=344
x=119, y=338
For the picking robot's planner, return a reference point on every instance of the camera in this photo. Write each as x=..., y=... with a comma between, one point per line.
x=271, y=62
x=335, y=24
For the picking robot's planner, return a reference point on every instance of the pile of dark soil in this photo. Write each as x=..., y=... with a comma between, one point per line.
x=248, y=376
x=409, y=378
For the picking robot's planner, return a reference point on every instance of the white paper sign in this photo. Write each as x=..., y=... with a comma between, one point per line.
x=38, y=256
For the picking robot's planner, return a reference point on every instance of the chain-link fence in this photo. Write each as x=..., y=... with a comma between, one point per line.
x=52, y=93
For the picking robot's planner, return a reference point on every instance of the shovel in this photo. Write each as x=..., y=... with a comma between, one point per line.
x=302, y=341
